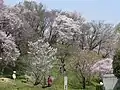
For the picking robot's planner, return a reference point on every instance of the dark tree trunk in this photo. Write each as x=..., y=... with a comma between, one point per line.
x=99, y=49
x=36, y=82
x=84, y=83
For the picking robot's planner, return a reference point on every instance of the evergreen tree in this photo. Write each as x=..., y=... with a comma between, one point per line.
x=116, y=64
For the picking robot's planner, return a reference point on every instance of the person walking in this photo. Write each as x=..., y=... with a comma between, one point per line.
x=49, y=81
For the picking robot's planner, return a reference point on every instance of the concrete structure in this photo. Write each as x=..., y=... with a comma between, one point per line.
x=111, y=82
x=65, y=83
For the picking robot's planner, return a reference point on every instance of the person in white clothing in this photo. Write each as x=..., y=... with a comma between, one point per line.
x=14, y=75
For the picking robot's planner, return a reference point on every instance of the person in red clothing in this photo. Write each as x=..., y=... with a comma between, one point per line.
x=49, y=81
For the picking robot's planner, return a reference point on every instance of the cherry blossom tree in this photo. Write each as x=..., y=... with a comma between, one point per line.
x=8, y=51
x=99, y=36
x=25, y=21
x=81, y=63
x=42, y=56
x=1, y=3
x=103, y=66
x=65, y=26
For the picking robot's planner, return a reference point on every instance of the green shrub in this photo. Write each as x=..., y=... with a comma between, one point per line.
x=24, y=81
x=99, y=87
x=116, y=63
x=21, y=77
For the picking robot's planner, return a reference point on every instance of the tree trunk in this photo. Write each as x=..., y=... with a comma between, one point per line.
x=44, y=81
x=2, y=70
x=99, y=49
x=84, y=83
x=36, y=82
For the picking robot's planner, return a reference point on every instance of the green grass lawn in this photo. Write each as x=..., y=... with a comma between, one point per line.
x=57, y=83
x=18, y=85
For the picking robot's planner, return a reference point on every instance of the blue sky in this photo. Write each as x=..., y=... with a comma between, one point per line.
x=107, y=10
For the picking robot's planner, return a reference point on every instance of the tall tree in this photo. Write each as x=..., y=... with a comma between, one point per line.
x=8, y=51
x=98, y=34
x=25, y=23
x=71, y=28
x=65, y=26
x=41, y=60
x=38, y=20
x=81, y=63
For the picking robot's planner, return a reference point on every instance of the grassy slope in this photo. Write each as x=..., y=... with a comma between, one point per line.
x=57, y=84
x=18, y=85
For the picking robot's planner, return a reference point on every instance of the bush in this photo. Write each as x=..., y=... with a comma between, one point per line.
x=99, y=87
x=21, y=77
x=73, y=81
x=24, y=81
